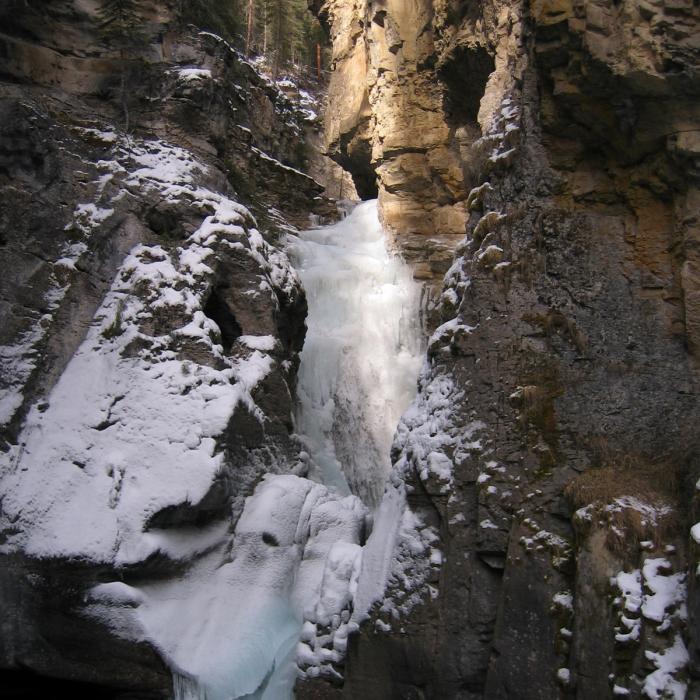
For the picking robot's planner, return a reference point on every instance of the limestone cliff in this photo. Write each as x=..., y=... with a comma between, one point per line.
x=538, y=163
x=553, y=448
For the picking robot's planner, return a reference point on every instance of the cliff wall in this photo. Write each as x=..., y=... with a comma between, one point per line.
x=149, y=325
x=553, y=447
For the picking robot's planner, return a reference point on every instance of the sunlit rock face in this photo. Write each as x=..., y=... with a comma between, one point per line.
x=387, y=123
x=553, y=446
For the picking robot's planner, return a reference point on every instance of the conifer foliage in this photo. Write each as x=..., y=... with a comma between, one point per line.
x=120, y=23
x=222, y=17
x=284, y=32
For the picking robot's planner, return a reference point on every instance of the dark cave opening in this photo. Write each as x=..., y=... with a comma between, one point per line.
x=356, y=158
x=219, y=311
x=465, y=75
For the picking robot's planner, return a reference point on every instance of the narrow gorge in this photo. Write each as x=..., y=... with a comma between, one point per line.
x=349, y=349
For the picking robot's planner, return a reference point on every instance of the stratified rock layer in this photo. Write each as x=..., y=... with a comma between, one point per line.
x=553, y=447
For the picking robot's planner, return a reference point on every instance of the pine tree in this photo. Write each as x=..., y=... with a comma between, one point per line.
x=250, y=24
x=120, y=24
x=283, y=31
x=280, y=17
x=222, y=17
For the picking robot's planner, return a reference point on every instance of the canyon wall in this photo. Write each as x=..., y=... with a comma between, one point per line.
x=149, y=325
x=553, y=448
x=538, y=165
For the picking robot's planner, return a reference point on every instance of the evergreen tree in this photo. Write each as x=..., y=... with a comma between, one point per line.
x=222, y=17
x=283, y=31
x=250, y=25
x=120, y=24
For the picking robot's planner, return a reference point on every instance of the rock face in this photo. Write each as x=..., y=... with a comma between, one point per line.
x=150, y=328
x=388, y=123
x=150, y=332
x=553, y=447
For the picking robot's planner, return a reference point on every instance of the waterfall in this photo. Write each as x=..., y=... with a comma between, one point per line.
x=362, y=351
x=302, y=576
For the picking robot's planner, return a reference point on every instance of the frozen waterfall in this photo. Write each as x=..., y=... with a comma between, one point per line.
x=362, y=351
x=302, y=575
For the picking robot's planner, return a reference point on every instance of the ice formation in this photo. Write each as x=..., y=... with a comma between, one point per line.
x=302, y=576
x=362, y=351
x=131, y=429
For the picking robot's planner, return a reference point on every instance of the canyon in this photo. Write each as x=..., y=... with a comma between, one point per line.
x=192, y=507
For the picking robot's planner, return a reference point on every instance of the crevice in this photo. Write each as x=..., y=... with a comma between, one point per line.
x=219, y=311
x=214, y=506
x=465, y=73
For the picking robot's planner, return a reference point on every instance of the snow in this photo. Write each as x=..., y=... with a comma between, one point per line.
x=114, y=415
x=662, y=682
x=132, y=428
x=298, y=569
x=233, y=629
x=18, y=361
x=429, y=434
x=666, y=591
x=659, y=596
x=258, y=342
x=450, y=329
x=501, y=155
x=489, y=252
x=564, y=599
x=630, y=585
x=488, y=525
x=88, y=216
x=505, y=123
x=193, y=74
x=279, y=164
x=128, y=434
x=166, y=166
x=651, y=513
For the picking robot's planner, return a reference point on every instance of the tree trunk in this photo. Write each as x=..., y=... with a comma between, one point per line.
x=122, y=89
x=279, y=33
